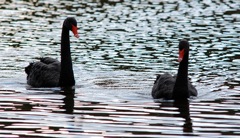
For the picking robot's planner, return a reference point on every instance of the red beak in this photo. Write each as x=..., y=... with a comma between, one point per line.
x=75, y=32
x=181, y=54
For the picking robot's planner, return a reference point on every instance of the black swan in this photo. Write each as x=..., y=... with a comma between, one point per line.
x=49, y=72
x=175, y=87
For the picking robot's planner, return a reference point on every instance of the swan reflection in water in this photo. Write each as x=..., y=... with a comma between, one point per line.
x=182, y=106
x=68, y=100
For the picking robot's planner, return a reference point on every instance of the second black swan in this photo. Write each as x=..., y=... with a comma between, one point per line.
x=175, y=87
x=49, y=72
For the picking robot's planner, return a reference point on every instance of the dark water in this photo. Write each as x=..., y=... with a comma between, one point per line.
x=123, y=45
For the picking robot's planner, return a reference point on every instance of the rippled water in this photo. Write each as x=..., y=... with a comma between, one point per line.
x=123, y=45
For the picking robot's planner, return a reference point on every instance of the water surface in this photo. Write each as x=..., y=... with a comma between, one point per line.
x=122, y=46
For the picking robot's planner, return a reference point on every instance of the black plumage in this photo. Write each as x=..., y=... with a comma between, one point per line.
x=175, y=87
x=49, y=72
x=44, y=73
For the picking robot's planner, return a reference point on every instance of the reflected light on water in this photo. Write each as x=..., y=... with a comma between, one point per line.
x=123, y=44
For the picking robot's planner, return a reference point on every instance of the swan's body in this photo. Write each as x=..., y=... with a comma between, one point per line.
x=44, y=73
x=49, y=72
x=178, y=86
x=164, y=84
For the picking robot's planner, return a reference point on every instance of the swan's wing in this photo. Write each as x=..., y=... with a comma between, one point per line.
x=43, y=75
x=48, y=60
x=163, y=86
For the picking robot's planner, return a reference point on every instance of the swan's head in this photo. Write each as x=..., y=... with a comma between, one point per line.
x=71, y=24
x=183, y=49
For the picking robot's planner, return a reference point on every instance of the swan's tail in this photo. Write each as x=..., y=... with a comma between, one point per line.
x=28, y=68
x=158, y=76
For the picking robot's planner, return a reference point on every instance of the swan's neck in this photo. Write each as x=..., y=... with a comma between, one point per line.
x=180, y=89
x=66, y=74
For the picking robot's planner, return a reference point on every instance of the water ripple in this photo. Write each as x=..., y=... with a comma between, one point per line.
x=122, y=46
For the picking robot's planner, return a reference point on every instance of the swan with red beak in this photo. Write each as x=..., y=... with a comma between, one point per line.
x=175, y=87
x=49, y=72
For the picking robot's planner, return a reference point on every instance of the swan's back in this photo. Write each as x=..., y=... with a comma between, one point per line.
x=44, y=73
x=164, y=84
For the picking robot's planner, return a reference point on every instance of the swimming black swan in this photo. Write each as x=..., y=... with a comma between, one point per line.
x=49, y=72
x=175, y=87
